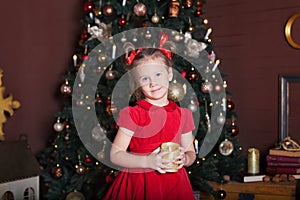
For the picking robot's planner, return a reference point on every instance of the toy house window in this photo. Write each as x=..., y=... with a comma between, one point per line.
x=29, y=194
x=8, y=196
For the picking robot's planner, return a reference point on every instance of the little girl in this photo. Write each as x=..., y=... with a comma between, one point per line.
x=144, y=127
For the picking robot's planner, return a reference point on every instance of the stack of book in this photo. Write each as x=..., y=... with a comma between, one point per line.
x=283, y=162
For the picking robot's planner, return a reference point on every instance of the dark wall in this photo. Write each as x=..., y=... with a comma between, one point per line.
x=36, y=47
x=250, y=41
x=38, y=38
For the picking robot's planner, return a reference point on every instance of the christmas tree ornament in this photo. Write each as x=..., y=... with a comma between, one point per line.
x=98, y=133
x=65, y=88
x=97, y=12
x=174, y=8
x=102, y=57
x=140, y=9
x=88, y=6
x=110, y=74
x=122, y=21
x=84, y=36
x=226, y=147
x=80, y=169
x=111, y=109
x=75, y=196
x=188, y=3
x=88, y=159
x=234, y=130
x=155, y=18
x=221, y=194
x=221, y=119
x=57, y=172
x=183, y=73
x=193, y=107
x=193, y=75
x=199, y=4
x=230, y=105
x=67, y=137
x=198, y=12
x=108, y=10
x=58, y=126
x=206, y=87
x=176, y=91
x=218, y=87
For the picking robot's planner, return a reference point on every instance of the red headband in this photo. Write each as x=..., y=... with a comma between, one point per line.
x=164, y=37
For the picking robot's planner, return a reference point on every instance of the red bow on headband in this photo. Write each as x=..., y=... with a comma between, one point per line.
x=164, y=37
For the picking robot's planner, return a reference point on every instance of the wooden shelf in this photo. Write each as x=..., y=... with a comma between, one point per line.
x=260, y=190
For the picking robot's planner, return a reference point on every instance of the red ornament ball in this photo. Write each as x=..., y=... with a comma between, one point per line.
x=88, y=6
x=108, y=10
x=109, y=179
x=88, y=159
x=183, y=73
x=84, y=57
x=198, y=12
x=230, y=105
x=122, y=21
x=234, y=130
x=139, y=9
x=84, y=36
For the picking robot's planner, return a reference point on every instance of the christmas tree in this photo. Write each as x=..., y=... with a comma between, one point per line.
x=95, y=87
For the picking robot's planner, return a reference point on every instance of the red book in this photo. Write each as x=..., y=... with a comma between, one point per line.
x=283, y=164
x=271, y=170
x=284, y=159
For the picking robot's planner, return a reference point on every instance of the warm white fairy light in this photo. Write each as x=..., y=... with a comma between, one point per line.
x=114, y=48
x=124, y=3
x=75, y=60
x=224, y=104
x=205, y=21
x=196, y=146
x=208, y=33
x=216, y=65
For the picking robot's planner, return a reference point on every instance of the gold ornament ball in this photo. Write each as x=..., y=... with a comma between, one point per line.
x=139, y=9
x=75, y=196
x=176, y=92
x=155, y=19
x=58, y=126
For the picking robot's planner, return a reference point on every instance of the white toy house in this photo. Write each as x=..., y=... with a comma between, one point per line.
x=19, y=172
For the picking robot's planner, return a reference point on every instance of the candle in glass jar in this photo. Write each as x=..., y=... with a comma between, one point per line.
x=253, y=161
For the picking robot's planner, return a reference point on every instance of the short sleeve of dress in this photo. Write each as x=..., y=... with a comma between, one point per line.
x=128, y=118
x=189, y=121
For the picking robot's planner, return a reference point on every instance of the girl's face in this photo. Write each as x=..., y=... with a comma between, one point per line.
x=153, y=77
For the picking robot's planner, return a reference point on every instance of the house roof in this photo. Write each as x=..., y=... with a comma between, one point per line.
x=17, y=161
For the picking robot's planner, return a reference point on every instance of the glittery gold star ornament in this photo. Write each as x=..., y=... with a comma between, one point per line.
x=7, y=106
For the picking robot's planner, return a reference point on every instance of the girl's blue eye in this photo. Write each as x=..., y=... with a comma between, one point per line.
x=158, y=74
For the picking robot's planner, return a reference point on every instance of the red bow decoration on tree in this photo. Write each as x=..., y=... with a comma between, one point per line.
x=163, y=38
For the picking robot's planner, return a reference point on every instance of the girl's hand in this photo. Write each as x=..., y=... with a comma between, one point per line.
x=181, y=159
x=156, y=161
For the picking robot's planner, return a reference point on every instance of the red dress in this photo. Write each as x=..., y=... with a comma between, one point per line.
x=152, y=125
